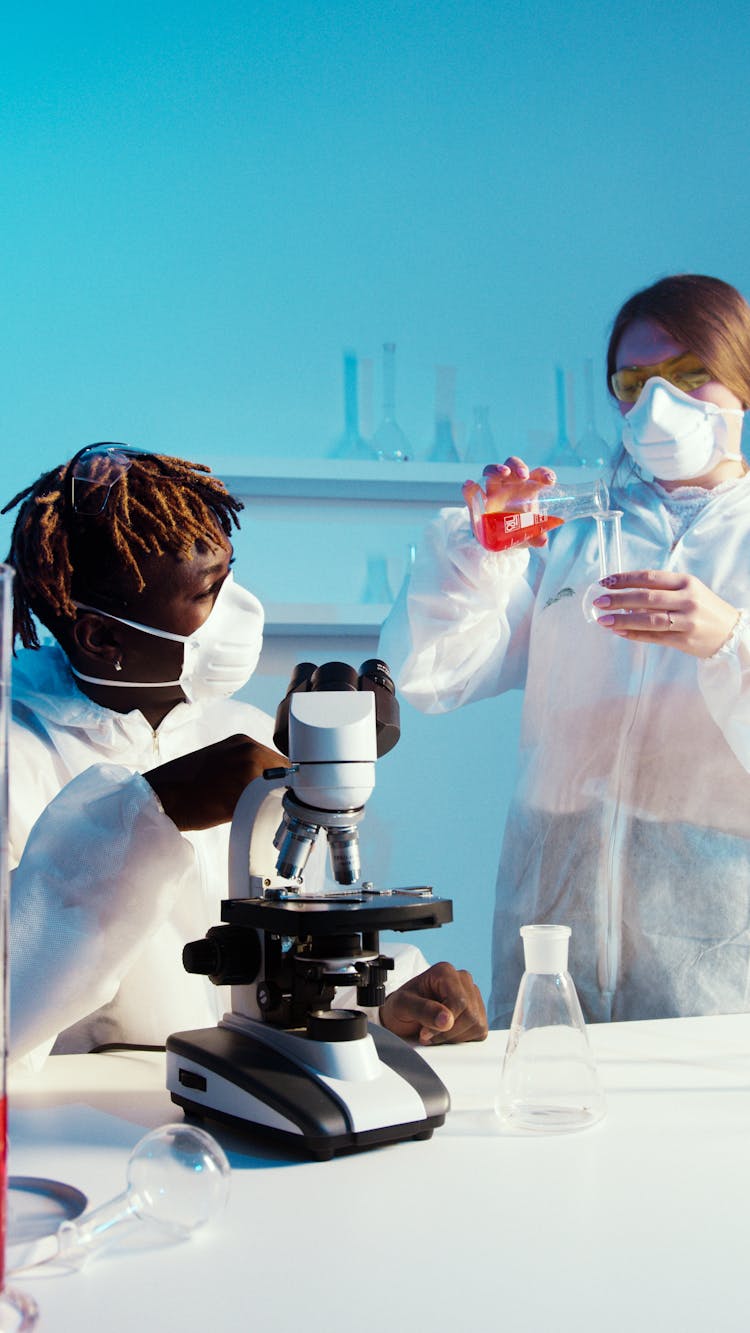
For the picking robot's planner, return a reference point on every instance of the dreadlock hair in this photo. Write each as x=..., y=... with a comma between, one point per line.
x=158, y=506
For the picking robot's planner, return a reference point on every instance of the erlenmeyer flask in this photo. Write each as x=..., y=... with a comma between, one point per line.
x=389, y=442
x=443, y=443
x=549, y=1080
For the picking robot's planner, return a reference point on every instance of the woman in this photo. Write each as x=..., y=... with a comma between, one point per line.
x=128, y=756
x=631, y=818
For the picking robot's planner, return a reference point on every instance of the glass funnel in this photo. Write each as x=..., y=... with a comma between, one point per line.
x=16, y=1310
x=549, y=1080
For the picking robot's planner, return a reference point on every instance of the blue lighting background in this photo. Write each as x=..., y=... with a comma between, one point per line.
x=204, y=204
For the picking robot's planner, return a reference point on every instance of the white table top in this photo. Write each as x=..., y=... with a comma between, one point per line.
x=637, y=1224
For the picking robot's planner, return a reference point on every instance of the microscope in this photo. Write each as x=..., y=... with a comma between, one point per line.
x=287, y=1060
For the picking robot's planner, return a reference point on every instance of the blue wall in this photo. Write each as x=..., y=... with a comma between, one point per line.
x=205, y=204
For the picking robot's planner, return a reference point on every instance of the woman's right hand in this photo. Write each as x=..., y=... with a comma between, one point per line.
x=509, y=483
x=508, y=486
x=201, y=789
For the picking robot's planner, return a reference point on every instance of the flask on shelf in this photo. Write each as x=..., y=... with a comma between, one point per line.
x=444, y=448
x=563, y=454
x=351, y=444
x=377, y=589
x=389, y=442
x=592, y=449
x=549, y=1081
x=481, y=447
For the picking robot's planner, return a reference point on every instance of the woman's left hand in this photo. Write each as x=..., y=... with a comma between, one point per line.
x=673, y=609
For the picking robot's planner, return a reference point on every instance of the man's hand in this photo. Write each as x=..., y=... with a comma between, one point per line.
x=201, y=789
x=439, y=1005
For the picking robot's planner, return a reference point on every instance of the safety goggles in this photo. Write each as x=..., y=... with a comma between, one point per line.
x=684, y=371
x=92, y=473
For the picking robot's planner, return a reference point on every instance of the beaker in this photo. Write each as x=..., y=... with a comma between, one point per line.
x=609, y=536
x=511, y=512
x=16, y=1310
x=549, y=1080
x=389, y=442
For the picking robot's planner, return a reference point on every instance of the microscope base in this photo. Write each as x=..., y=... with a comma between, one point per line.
x=240, y=1079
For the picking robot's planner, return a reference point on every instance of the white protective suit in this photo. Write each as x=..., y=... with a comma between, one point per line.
x=631, y=817
x=105, y=889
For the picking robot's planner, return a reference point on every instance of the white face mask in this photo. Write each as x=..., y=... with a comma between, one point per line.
x=676, y=437
x=218, y=658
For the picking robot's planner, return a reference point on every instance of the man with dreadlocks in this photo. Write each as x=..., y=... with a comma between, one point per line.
x=128, y=756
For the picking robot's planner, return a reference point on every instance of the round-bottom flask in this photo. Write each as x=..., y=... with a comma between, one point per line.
x=549, y=1081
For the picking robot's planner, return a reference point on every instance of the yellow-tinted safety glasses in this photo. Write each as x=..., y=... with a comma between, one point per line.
x=684, y=371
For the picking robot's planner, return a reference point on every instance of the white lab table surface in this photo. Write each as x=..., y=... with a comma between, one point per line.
x=639, y=1223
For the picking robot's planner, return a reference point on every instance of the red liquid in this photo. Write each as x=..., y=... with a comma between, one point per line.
x=510, y=527
x=3, y=1183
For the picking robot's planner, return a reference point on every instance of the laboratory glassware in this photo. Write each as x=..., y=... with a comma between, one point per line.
x=389, y=442
x=481, y=447
x=592, y=448
x=609, y=536
x=351, y=444
x=177, y=1180
x=549, y=1081
x=16, y=1310
x=377, y=588
x=563, y=454
x=444, y=448
x=511, y=512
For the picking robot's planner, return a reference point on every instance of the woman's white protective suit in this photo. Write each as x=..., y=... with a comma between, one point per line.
x=105, y=889
x=631, y=817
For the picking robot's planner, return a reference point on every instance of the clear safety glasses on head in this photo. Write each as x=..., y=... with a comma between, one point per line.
x=93, y=471
x=218, y=658
x=685, y=371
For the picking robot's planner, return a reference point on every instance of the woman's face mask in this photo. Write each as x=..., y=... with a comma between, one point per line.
x=676, y=437
x=218, y=658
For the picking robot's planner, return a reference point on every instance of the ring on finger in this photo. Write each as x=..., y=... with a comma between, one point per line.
x=669, y=618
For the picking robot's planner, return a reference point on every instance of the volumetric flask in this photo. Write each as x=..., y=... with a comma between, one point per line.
x=549, y=1082
x=511, y=513
x=16, y=1310
x=389, y=442
x=609, y=535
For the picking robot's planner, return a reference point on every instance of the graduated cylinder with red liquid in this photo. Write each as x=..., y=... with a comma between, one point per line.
x=513, y=512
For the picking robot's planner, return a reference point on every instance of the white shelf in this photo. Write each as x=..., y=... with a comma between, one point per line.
x=359, y=620
x=344, y=479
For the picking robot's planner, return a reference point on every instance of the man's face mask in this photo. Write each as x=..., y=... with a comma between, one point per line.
x=676, y=437
x=218, y=658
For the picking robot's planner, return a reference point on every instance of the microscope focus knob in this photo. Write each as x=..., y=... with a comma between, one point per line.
x=336, y=1025
x=228, y=956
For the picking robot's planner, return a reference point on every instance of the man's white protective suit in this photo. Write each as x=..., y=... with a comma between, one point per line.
x=105, y=889
x=631, y=817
